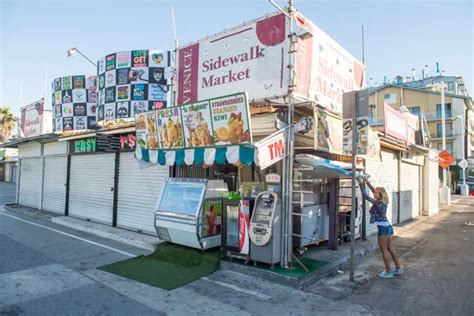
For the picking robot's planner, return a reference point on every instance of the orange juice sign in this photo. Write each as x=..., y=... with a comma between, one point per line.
x=170, y=128
x=230, y=120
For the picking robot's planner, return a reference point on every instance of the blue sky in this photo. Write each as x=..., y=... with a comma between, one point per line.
x=400, y=35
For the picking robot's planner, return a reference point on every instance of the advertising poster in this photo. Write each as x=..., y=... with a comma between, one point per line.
x=124, y=81
x=152, y=138
x=252, y=57
x=141, y=130
x=75, y=99
x=395, y=123
x=230, y=120
x=329, y=134
x=212, y=219
x=197, y=124
x=169, y=128
x=31, y=118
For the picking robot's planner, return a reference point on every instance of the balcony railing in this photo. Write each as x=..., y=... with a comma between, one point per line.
x=435, y=116
x=451, y=133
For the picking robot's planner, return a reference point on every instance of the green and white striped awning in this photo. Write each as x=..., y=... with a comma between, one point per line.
x=243, y=154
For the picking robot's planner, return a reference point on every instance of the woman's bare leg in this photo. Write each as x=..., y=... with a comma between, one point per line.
x=393, y=252
x=385, y=253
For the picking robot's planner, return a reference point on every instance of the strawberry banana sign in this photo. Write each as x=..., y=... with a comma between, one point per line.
x=252, y=57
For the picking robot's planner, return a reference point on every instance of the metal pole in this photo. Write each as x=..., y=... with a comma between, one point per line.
x=353, y=193
x=443, y=129
x=87, y=58
x=292, y=83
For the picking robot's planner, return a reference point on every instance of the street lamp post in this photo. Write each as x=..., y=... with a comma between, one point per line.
x=72, y=51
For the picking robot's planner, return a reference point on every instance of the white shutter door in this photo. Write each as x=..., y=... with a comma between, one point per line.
x=91, y=187
x=138, y=191
x=410, y=191
x=30, y=182
x=54, y=191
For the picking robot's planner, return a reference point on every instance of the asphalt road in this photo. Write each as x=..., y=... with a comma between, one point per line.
x=438, y=256
x=45, y=272
x=48, y=269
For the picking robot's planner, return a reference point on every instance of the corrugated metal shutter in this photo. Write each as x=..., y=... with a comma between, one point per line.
x=138, y=192
x=54, y=191
x=385, y=173
x=30, y=182
x=410, y=191
x=91, y=187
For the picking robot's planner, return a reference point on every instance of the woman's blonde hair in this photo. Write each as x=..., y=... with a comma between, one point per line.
x=384, y=194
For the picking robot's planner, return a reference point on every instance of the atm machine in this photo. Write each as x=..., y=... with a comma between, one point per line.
x=265, y=229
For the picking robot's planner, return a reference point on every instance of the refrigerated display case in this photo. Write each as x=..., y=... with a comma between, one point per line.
x=189, y=212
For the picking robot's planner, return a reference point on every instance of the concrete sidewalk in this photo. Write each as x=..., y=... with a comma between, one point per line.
x=131, y=238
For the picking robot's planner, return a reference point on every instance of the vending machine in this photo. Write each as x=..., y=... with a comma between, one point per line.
x=236, y=219
x=265, y=229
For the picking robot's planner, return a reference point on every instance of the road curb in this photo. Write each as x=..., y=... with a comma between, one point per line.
x=30, y=211
x=331, y=268
x=126, y=237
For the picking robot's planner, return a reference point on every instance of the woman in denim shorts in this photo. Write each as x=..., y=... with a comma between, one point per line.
x=378, y=216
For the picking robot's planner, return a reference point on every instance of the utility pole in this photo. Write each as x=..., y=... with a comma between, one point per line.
x=445, y=196
x=353, y=192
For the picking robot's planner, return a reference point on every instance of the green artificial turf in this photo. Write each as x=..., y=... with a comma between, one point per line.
x=169, y=267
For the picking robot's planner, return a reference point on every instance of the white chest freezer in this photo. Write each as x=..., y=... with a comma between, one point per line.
x=189, y=212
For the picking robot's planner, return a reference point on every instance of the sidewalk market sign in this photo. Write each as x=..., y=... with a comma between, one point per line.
x=31, y=123
x=254, y=57
x=202, y=129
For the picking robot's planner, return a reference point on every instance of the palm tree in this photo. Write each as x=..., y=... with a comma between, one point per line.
x=7, y=124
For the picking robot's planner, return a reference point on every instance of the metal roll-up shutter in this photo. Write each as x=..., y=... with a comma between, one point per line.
x=30, y=182
x=384, y=173
x=410, y=191
x=138, y=192
x=54, y=191
x=91, y=188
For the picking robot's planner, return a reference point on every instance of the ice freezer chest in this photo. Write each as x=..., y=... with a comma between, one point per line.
x=189, y=212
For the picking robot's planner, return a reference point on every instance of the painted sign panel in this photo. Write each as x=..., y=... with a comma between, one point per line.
x=170, y=128
x=230, y=120
x=32, y=118
x=197, y=124
x=333, y=70
x=271, y=149
x=329, y=133
x=252, y=57
x=212, y=219
x=74, y=103
x=395, y=123
x=363, y=132
x=131, y=82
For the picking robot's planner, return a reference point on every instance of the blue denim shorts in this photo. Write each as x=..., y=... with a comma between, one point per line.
x=385, y=230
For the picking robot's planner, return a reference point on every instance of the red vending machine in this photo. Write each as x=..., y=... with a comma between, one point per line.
x=235, y=234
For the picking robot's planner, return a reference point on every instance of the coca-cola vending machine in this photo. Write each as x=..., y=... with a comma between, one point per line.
x=235, y=234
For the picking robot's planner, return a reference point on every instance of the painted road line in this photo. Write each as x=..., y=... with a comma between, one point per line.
x=70, y=235
x=237, y=288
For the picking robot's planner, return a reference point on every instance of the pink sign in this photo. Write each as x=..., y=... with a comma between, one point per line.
x=395, y=123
